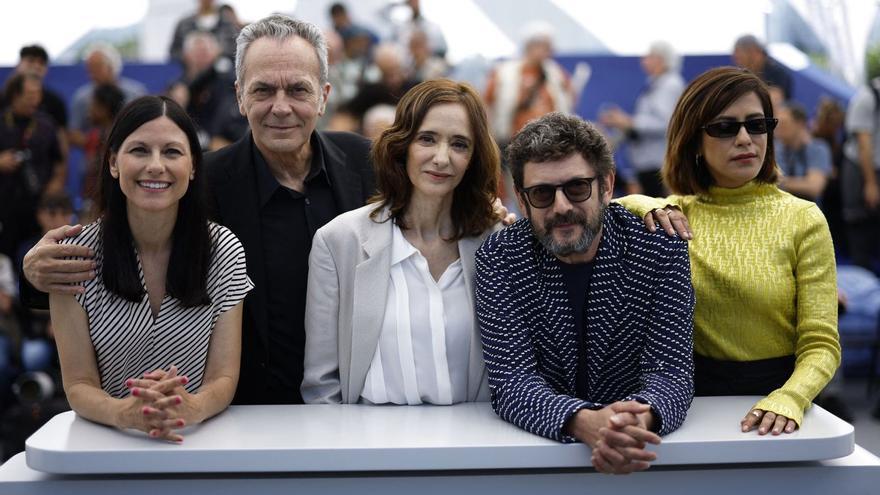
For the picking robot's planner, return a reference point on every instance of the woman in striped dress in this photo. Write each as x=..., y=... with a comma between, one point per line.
x=153, y=341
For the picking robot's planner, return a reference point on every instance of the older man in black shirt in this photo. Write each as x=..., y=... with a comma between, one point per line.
x=285, y=214
x=273, y=188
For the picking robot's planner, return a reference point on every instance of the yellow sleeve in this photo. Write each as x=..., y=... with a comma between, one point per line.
x=817, y=350
x=639, y=205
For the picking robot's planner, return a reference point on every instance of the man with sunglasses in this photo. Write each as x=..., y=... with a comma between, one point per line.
x=586, y=317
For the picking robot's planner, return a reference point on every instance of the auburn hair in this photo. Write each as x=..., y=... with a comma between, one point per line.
x=473, y=199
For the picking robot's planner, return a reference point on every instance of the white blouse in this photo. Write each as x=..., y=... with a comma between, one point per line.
x=425, y=339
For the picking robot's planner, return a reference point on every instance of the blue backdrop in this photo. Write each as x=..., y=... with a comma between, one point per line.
x=614, y=79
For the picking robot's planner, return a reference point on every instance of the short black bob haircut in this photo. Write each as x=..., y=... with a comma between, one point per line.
x=34, y=51
x=191, y=248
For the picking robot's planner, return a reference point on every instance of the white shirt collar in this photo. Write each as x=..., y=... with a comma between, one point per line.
x=401, y=249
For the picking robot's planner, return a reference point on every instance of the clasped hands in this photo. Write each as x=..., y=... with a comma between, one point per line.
x=618, y=435
x=160, y=405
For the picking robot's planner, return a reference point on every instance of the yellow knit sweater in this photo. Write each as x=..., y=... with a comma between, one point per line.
x=762, y=266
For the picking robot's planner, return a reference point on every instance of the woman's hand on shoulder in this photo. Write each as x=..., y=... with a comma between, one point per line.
x=767, y=422
x=502, y=213
x=671, y=219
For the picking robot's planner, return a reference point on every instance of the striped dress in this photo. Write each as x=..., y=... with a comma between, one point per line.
x=128, y=341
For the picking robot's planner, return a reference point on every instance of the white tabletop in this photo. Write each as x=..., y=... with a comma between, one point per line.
x=321, y=438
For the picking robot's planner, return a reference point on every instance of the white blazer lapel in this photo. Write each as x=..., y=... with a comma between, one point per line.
x=371, y=282
x=478, y=388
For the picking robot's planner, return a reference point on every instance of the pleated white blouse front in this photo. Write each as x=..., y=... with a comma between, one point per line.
x=422, y=356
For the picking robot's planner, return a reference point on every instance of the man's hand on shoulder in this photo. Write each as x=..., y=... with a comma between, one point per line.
x=47, y=268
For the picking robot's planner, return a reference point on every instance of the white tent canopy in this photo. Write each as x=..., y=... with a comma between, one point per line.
x=487, y=28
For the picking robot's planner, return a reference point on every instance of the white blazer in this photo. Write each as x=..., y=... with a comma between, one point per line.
x=349, y=276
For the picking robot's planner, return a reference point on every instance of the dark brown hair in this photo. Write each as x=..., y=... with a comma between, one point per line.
x=191, y=247
x=15, y=86
x=472, y=202
x=556, y=136
x=703, y=100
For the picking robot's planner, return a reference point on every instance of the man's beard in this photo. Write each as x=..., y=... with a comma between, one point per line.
x=590, y=228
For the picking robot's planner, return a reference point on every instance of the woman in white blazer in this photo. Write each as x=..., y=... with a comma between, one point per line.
x=390, y=308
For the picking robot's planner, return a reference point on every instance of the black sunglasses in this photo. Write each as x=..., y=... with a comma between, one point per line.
x=543, y=195
x=730, y=128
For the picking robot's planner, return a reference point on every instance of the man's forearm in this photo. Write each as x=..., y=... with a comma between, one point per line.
x=808, y=187
x=866, y=157
x=31, y=297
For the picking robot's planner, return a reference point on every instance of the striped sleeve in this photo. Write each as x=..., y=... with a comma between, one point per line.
x=666, y=362
x=89, y=237
x=519, y=393
x=228, y=282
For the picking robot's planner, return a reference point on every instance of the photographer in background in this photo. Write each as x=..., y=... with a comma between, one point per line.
x=10, y=334
x=31, y=160
x=37, y=349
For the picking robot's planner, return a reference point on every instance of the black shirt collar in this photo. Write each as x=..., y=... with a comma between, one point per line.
x=267, y=184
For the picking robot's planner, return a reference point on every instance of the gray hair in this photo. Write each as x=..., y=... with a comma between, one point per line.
x=281, y=27
x=380, y=113
x=189, y=41
x=749, y=41
x=110, y=54
x=538, y=30
x=667, y=54
x=556, y=136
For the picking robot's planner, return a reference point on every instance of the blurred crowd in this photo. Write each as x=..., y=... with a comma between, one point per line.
x=829, y=154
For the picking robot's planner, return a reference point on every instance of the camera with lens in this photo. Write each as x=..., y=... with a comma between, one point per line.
x=22, y=156
x=34, y=387
x=29, y=173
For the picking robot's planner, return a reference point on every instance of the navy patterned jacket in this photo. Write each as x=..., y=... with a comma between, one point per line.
x=639, y=325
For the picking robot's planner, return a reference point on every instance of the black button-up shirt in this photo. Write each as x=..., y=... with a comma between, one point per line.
x=288, y=221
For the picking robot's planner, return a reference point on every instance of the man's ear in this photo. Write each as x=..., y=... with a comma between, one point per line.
x=523, y=205
x=238, y=100
x=608, y=192
x=325, y=94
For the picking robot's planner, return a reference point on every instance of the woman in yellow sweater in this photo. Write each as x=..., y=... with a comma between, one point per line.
x=762, y=260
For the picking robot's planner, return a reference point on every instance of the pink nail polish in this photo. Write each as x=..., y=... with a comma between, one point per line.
x=128, y=383
x=135, y=392
x=178, y=400
x=184, y=380
x=180, y=422
x=146, y=410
